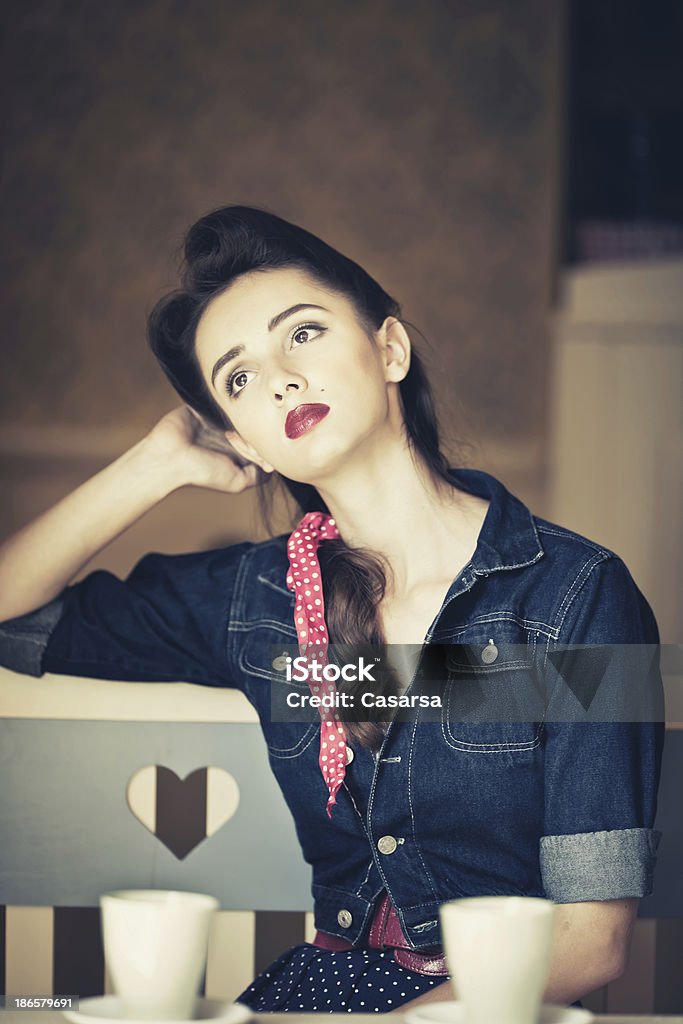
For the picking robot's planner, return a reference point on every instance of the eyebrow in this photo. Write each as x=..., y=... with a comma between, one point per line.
x=237, y=350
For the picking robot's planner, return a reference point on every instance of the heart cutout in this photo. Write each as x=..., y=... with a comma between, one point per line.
x=182, y=813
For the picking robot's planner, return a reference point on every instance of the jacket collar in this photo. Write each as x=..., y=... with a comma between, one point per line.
x=508, y=538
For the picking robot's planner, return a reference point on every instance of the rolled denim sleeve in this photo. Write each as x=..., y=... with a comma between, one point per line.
x=602, y=777
x=599, y=865
x=23, y=640
x=167, y=622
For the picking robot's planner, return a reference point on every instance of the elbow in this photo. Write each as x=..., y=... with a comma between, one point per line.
x=617, y=964
x=615, y=959
x=606, y=962
x=613, y=938
x=602, y=970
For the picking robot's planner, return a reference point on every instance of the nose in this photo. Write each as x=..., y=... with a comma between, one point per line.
x=287, y=382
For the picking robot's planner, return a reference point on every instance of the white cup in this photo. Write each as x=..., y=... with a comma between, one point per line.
x=498, y=954
x=155, y=948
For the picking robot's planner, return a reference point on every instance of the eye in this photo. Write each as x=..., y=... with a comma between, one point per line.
x=301, y=335
x=237, y=381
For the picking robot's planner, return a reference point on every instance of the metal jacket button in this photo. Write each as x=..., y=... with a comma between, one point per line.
x=280, y=663
x=387, y=844
x=349, y=754
x=345, y=919
x=490, y=653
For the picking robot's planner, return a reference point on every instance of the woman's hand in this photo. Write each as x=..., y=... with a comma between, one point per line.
x=196, y=453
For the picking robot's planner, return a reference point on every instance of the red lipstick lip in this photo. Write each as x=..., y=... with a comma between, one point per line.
x=303, y=418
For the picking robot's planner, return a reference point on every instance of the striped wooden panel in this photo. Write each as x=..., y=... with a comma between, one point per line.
x=78, y=957
x=59, y=951
x=3, y=953
x=669, y=966
x=230, y=964
x=29, y=951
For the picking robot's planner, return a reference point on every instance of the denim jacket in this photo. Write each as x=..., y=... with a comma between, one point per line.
x=546, y=808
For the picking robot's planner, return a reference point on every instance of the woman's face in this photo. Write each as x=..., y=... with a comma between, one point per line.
x=304, y=387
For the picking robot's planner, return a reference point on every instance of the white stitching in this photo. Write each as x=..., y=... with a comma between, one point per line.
x=274, y=586
x=570, y=535
x=529, y=625
x=412, y=815
x=287, y=753
x=578, y=582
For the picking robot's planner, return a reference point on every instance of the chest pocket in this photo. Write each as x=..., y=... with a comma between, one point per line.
x=288, y=731
x=493, y=698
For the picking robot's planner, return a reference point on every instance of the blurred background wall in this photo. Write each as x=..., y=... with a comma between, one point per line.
x=509, y=171
x=420, y=139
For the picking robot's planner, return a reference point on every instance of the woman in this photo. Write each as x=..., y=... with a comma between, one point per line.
x=296, y=356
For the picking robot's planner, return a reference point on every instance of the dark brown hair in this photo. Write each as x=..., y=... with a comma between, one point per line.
x=237, y=240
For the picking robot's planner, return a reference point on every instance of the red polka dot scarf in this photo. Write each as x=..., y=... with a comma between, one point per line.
x=309, y=617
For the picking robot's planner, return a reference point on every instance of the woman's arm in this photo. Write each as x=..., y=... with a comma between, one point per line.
x=590, y=948
x=43, y=557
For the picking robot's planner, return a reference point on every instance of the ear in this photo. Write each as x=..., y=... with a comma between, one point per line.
x=394, y=343
x=246, y=451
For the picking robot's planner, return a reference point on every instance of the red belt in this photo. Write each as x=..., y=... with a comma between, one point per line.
x=386, y=932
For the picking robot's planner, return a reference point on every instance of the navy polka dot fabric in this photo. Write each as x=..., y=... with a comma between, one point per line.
x=308, y=979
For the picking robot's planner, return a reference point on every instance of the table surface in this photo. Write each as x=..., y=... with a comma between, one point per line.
x=50, y=1017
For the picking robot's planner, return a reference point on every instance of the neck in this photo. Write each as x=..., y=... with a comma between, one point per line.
x=393, y=506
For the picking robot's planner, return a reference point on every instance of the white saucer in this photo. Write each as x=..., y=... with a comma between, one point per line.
x=108, y=1008
x=454, y=1013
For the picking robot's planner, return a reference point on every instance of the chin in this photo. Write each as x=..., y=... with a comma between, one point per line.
x=322, y=455
x=313, y=468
